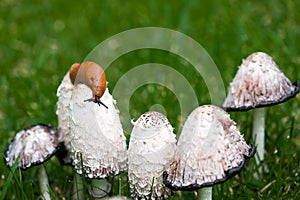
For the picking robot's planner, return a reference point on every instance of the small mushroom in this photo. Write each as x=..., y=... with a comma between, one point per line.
x=210, y=150
x=151, y=150
x=257, y=84
x=33, y=146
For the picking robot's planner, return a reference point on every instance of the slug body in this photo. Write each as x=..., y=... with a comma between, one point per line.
x=93, y=76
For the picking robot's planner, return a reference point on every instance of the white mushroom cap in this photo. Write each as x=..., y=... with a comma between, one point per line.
x=64, y=94
x=210, y=150
x=32, y=146
x=151, y=150
x=259, y=83
x=96, y=135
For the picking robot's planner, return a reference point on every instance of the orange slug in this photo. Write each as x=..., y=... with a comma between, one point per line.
x=92, y=75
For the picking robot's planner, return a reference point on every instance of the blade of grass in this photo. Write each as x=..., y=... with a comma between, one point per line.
x=8, y=180
x=83, y=179
x=19, y=181
x=120, y=186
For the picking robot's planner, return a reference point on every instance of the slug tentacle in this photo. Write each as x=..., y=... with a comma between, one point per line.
x=96, y=100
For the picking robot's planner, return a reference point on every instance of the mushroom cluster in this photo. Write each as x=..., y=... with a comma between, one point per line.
x=91, y=135
x=210, y=148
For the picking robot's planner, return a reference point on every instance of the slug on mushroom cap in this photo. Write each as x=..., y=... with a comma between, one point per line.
x=258, y=83
x=92, y=75
x=151, y=149
x=89, y=132
x=210, y=150
x=32, y=146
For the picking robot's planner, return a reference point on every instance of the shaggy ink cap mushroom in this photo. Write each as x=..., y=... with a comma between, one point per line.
x=258, y=83
x=32, y=146
x=210, y=150
x=97, y=139
x=151, y=150
x=87, y=131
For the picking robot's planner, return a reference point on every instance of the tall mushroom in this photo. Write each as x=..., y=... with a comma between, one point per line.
x=93, y=133
x=210, y=150
x=258, y=83
x=33, y=146
x=151, y=150
x=97, y=138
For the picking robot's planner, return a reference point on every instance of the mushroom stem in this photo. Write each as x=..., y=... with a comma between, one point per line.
x=78, y=188
x=258, y=134
x=44, y=183
x=205, y=193
x=99, y=188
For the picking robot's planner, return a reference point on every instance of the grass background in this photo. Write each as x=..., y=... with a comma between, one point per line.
x=39, y=40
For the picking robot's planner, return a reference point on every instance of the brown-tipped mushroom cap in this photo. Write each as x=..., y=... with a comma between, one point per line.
x=258, y=83
x=32, y=146
x=209, y=151
x=151, y=150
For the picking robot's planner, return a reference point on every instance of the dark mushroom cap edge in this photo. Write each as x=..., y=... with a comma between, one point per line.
x=228, y=174
x=38, y=162
x=266, y=104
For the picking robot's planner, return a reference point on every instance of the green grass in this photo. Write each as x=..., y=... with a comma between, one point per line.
x=39, y=40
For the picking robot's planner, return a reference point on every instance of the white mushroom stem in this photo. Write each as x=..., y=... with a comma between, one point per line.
x=258, y=133
x=205, y=193
x=99, y=188
x=44, y=183
x=77, y=188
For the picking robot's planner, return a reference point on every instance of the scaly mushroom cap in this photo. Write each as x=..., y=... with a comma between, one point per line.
x=32, y=146
x=151, y=150
x=64, y=94
x=258, y=83
x=97, y=139
x=210, y=150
